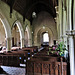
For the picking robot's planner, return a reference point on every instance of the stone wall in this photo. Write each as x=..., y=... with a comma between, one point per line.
x=16, y=18
x=46, y=20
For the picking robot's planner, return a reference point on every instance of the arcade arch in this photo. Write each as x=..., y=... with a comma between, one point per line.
x=20, y=34
x=38, y=38
x=7, y=29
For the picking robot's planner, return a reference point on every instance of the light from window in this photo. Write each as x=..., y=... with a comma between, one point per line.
x=45, y=37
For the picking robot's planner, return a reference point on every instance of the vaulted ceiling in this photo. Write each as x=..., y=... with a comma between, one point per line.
x=26, y=7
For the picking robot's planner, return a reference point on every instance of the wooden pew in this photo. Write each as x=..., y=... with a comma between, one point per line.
x=21, y=55
x=24, y=54
x=1, y=61
x=31, y=49
x=44, y=58
x=8, y=60
x=42, y=55
x=44, y=64
x=16, y=59
x=5, y=60
x=46, y=68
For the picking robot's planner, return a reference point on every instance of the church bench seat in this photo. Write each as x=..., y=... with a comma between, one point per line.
x=8, y=60
x=31, y=49
x=5, y=60
x=21, y=55
x=15, y=60
x=44, y=64
x=1, y=62
x=45, y=68
x=45, y=58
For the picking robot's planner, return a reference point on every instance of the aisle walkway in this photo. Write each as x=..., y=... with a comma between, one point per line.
x=13, y=70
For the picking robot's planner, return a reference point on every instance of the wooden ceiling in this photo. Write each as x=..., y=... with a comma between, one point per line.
x=26, y=7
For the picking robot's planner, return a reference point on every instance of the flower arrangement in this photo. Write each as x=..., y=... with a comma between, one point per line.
x=58, y=49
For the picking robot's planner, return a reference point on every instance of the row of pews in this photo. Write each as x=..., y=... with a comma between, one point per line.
x=17, y=56
x=44, y=64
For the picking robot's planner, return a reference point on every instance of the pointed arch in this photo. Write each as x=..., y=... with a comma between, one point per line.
x=19, y=25
x=7, y=29
x=38, y=34
x=5, y=25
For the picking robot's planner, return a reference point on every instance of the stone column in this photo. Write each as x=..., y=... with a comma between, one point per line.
x=57, y=23
x=29, y=42
x=69, y=15
x=8, y=44
x=22, y=42
x=64, y=26
x=60, y=17
x=74, y=28
x=64, y=22
x=71, y=38
x=74, y=15
x=71, y=51
x=71, y=47
x=57, y=20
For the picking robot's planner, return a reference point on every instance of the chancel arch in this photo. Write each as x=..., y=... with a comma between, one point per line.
x=19, y=34
x=7, y=31
x=39, y=36
x=44, y=22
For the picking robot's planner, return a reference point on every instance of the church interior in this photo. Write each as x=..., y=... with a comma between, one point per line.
x=37, y=37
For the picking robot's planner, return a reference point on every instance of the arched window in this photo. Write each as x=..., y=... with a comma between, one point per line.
x=45, y=37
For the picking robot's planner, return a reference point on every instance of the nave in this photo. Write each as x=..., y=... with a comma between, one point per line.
x=36, y=58
x=39, y=34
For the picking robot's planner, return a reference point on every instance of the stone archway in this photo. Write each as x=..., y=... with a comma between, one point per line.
x=45, y=38
x=7, y=31
x=38, y=36
x=21, y=31
x=44, y=19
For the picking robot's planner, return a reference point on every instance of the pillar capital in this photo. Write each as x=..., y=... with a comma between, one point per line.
x=63, y=36
x=70, y=32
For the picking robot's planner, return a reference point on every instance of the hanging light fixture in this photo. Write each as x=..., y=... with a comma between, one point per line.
x=34, y=15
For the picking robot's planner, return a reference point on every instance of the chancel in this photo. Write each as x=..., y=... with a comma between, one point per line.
x=37, y=37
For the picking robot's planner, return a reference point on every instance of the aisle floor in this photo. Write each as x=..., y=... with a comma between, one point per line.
x=13, y=70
